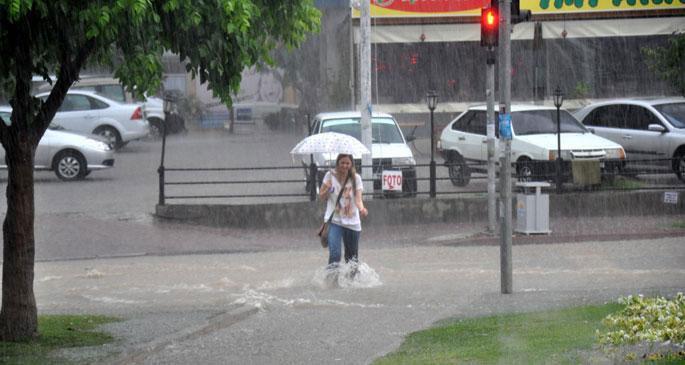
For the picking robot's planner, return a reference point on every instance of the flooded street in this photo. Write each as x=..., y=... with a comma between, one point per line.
x=272, y=307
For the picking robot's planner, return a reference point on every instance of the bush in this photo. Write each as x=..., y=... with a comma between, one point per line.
x=646, y=321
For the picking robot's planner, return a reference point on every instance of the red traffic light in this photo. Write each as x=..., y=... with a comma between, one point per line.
x=489, y=27
x=490, y=17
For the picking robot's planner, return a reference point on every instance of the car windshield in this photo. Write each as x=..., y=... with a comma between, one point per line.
x=675, y=113
x=384, y=130
x=544, y=121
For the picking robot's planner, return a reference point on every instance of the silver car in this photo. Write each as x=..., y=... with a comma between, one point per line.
x=71, y=156
x=652, y=131
x=88, y=112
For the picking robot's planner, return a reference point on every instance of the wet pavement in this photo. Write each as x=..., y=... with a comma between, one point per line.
x=194, y=294
x=274, y=306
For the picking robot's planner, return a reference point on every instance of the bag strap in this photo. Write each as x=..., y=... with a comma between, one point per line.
x=337, y=201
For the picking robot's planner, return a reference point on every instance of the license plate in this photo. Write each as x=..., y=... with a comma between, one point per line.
x=392, y=180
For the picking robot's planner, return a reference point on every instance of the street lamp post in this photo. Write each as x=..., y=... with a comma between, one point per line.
x=167, y=107
x=558, y=100
x=432, y=101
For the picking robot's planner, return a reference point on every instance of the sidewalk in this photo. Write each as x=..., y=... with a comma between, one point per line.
x=271, y=307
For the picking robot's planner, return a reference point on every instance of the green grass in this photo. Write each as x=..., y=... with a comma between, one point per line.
x=680, y=225
x=56, y=332
x=623, y=183
x=551, y=337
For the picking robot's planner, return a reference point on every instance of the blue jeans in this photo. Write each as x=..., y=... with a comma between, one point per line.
x=349, y=237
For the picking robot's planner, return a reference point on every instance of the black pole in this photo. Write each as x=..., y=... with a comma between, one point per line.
x=160, y=171
x=312, y=181
x=432, y=164
x=558, y=150
x=312, y=167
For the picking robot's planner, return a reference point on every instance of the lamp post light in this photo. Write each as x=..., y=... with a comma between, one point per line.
x=432, y=101
x=558, y=100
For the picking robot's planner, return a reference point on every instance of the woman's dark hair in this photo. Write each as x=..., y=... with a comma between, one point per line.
x=353, y=170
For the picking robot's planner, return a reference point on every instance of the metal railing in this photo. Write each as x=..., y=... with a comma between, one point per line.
x=271, y=183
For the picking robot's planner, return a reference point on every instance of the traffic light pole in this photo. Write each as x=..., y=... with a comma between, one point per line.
x=506, y=271
x=365, y=92
x=490, y=95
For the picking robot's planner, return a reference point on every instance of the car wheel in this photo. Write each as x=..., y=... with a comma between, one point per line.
x=525, y=170
x=70, y=165
x=111, y=135
x=156, y=130
x=679, y=166
x=458, y=171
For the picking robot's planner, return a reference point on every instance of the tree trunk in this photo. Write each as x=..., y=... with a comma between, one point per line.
x=18, y=315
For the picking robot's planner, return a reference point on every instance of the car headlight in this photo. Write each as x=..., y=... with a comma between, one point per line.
x=96, y=145
x=615, y=153
x=399, y=161
x=552, y=155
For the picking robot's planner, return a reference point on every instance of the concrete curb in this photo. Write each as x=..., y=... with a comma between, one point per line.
x=417, y=210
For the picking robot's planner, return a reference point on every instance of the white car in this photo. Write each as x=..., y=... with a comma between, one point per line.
x=463, y=143
x=89, y=112
x=71, y=156
x=389, y=147
x=652, y=131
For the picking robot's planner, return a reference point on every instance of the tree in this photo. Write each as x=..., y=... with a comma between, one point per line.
x=216, y=38
x=669, y=62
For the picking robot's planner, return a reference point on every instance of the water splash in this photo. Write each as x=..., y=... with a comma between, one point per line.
x=347, y=276
x=278, y=284
x=262, y=300
x=49, y=278
x=93, y=273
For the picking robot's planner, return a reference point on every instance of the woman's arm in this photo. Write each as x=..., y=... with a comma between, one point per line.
x=360, y=203
x=326, y=185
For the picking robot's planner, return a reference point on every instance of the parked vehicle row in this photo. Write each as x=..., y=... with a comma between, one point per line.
x=86, y=130
x=71, y=156
x=88, y=112
x=620, y=134
x=112, y=89
x=463, y=143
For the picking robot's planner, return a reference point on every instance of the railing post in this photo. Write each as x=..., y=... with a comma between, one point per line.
x=312, y=182
x=160, y=171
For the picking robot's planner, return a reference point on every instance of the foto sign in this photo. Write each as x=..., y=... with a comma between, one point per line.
x=392, y=180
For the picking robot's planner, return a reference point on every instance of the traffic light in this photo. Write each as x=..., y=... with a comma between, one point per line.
x=489, y=25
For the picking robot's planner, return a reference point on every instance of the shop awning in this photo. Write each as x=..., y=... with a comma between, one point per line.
x=466, y=32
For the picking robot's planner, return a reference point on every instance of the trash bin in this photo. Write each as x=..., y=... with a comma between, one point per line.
x=532, y=208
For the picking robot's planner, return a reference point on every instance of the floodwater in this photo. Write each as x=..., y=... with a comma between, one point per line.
x=271, y=307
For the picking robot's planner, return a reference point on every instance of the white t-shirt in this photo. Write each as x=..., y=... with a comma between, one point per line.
x=347, y=214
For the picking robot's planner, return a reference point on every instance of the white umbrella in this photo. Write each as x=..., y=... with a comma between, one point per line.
x=330, y=142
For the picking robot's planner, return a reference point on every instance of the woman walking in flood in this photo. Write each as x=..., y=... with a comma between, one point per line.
x=347, y=211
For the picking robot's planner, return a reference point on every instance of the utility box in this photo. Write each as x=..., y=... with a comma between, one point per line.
x=532, y=208
x=586, y=172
